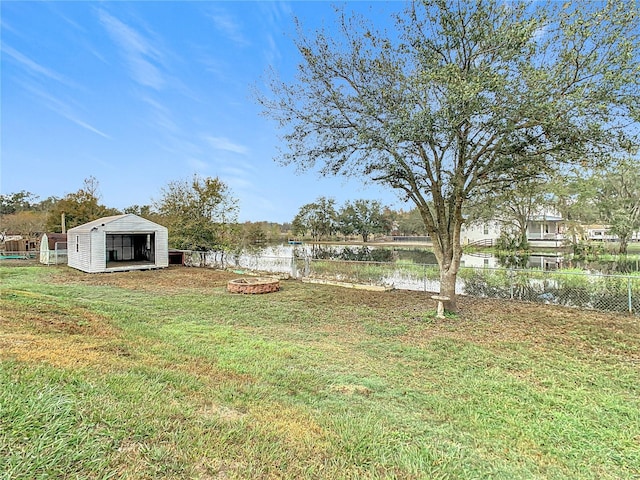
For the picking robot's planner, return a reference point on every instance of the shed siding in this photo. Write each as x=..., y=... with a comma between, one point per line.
x=98, y=251
x=162, y=247
x=79, y=250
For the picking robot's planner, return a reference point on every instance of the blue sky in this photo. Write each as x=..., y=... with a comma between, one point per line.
x=138, y=94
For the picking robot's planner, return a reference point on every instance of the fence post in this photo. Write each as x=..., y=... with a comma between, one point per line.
x=629, y=291
x=424, y=277
x=510, y=283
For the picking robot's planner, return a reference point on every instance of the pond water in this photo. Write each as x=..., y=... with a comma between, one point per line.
x=425, y=256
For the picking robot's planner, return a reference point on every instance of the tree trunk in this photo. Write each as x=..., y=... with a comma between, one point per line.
x=524, y=237
x=449, y=263
x=448, y=288
x=445, y=234
x=524, y=240
x=624, y=243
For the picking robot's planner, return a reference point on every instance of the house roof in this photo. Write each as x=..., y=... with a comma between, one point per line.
x=546, y=218
x=101, y=222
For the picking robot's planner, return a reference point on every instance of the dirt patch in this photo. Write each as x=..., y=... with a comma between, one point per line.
x=352, y=389
x=221, y=412
x=41, y=314
x=166, y=280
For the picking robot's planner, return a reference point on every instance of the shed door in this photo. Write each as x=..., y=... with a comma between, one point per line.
x=131, y=248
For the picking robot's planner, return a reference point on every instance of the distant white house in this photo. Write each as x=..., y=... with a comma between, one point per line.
x=603, y=233
x=599, y=233
x=480, y=232
x=118, y=243
x=546, y=225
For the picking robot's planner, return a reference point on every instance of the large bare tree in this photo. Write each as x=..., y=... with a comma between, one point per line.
x=461, y=98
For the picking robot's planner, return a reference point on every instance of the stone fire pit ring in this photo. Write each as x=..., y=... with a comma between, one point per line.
x=253, y=285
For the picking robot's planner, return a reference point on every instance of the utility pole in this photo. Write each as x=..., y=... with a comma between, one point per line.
x=64, y=225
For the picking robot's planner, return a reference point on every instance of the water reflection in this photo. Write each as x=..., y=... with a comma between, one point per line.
x=425, y=256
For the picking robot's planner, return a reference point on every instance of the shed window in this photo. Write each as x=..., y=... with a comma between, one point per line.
x=77, y=243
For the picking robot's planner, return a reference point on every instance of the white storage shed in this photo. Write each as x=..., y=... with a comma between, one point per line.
x=118, y=243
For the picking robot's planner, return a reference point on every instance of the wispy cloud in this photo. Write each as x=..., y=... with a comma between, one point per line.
x=237, y=183
x=161, y=115
x=180, y=146
x=34, y=68
x=197, y=164
x=63, y=109
x=234, y=171
x=275, y=12
x=139, y=53
x=221, y=143
x=271, y=50
x=229, y=27
x=8, y=28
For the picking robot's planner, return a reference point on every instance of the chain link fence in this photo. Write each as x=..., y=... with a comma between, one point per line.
x=612, y=293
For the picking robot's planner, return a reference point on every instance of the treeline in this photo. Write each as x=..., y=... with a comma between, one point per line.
x=201, y=214
x=323, y=219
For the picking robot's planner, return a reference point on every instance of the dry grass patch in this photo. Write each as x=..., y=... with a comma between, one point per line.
x=41, y=330
x=175, y=279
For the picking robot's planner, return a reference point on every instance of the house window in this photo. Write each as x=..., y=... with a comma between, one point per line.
x=486, y=229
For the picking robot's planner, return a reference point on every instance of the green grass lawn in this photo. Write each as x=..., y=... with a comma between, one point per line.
x=163, y=374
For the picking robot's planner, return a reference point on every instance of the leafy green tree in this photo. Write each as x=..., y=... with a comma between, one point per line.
x=17, y=202
x=144, y=211
x=462, y=98
x=19, y=215
x=317, y=219
x=573, y=197
x=78, y=208
x=255, y=234
x=618, y=199
x=411, y=223
x=362, y=217
x=199, y=213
